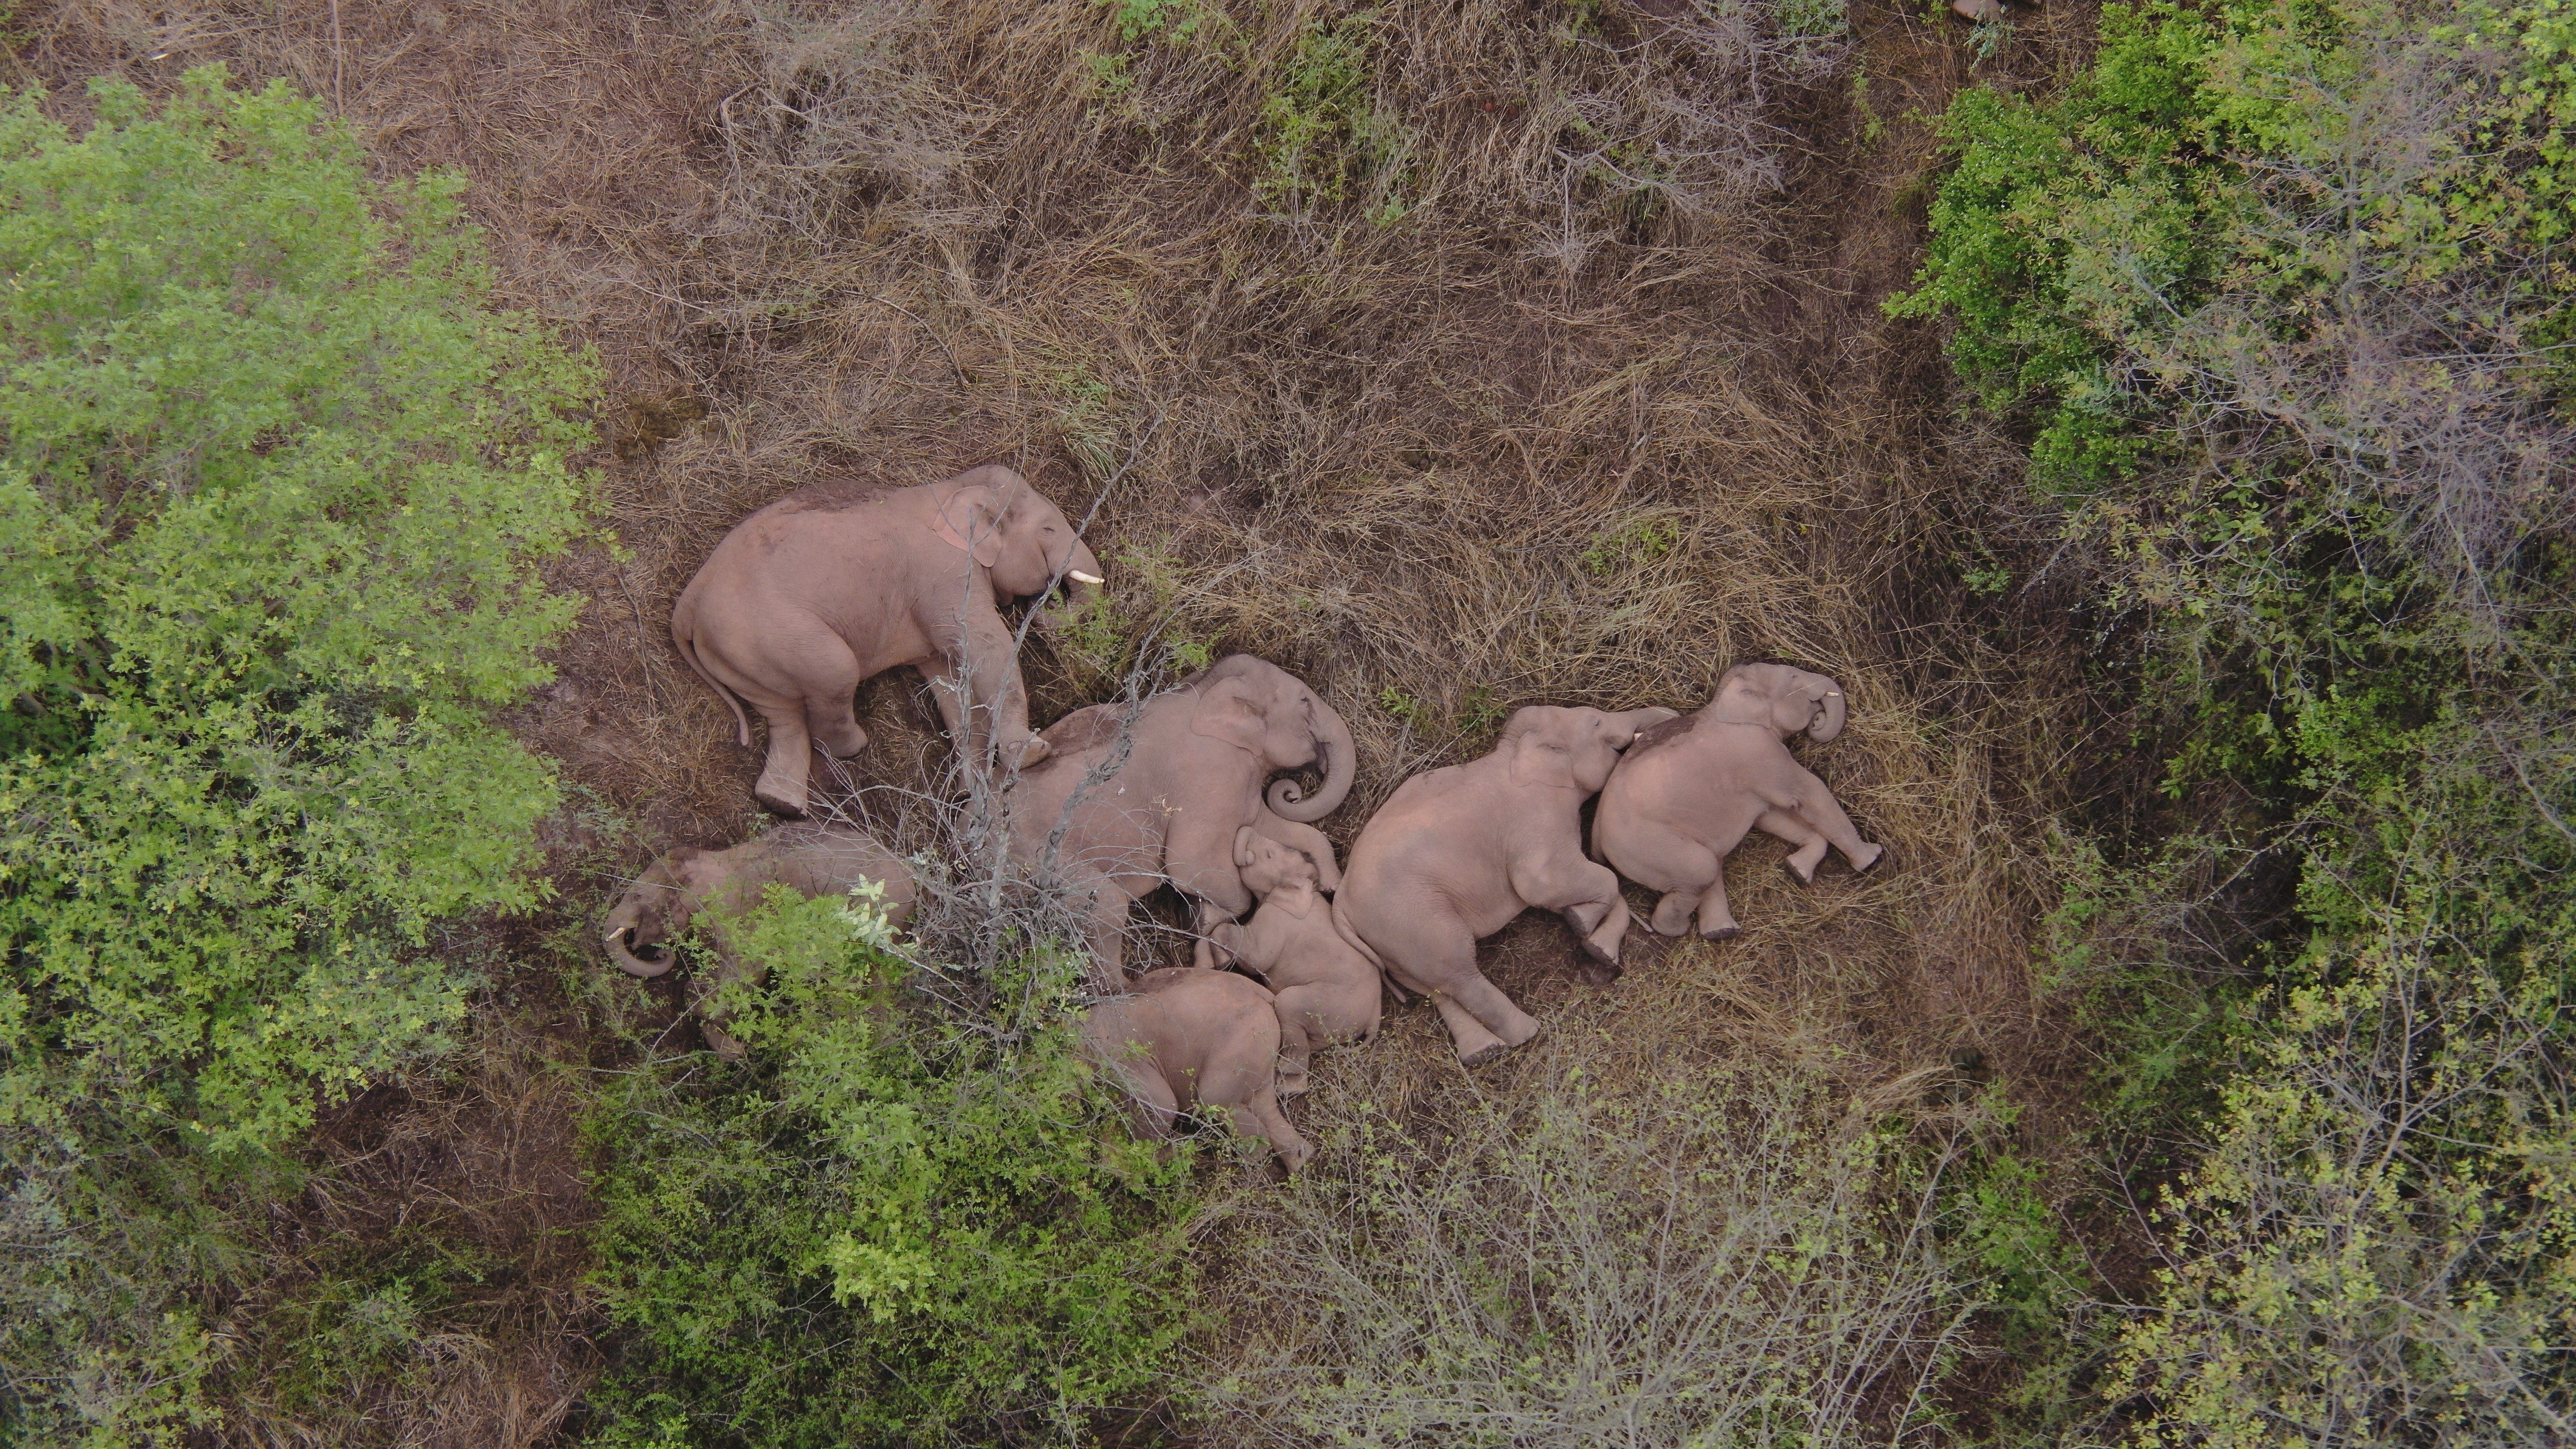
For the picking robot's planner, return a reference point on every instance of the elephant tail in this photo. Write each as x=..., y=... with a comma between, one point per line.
x=688, y=647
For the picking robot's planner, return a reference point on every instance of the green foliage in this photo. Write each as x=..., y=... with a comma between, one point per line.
x=2278, y=291
x=1134, y=623
x=275, y=487
x=1323, y=134
x=906, y=1220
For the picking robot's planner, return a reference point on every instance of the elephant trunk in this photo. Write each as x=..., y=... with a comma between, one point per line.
x=621, y=930
x=1334, y=755
x=1831, y=725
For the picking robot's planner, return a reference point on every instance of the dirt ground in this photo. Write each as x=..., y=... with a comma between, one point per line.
x=1485, y=457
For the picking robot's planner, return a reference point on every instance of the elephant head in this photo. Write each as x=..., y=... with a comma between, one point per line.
x=656, y=908
x=1257, y=706
x=1024, y=542
x=1782, y=697
x=1552, y=745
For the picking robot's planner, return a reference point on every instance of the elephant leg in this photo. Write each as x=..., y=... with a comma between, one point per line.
x=831, y=684
x=987, y=678
x=1296, y=1041
x=1585, y=892
x=1716, y=921
x=1261, y=1117
x=1105, y=932
x=1150, y=1099
x=781, y=786
x=1685, y=867
x=1817, y=808
x=1810, y=843
x=1502, y=1021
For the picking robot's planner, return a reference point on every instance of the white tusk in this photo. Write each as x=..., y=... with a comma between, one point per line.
x=614, y=936
x=1079, y=577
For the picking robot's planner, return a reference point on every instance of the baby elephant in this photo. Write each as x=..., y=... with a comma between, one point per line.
x=1327, y=992
x=814, y=860
x=1688, y=791
x=1455, y=854
x=1197, y=1038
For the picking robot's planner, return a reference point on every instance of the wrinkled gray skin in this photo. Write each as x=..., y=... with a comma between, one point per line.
x=1978, y=9
x=1327, y=992
x=816, y=592
x=1687, y=792
x=1174, y=792
x=814, y=860
x=1456, y=853
x=1187, y=1038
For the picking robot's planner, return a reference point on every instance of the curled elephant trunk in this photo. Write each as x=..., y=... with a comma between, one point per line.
x=1825, y=729
x=1334, y=756
x=619, y=933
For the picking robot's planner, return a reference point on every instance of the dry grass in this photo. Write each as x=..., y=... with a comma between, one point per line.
x=1608, y=408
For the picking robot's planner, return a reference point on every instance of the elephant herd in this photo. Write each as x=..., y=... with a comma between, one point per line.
x=813, y=594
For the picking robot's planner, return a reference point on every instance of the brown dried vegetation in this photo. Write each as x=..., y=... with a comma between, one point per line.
x=1540, y=362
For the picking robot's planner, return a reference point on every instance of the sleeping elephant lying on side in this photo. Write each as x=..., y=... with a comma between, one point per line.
x=816, y=592
x=1687, y=793
x=1187, y=1038
x=724, y=885
x=1131, y=796
x=1456, y=853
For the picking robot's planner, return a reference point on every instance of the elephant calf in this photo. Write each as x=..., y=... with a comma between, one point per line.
x=813, y=594
x=1685, y=796
x=813, y=860
x=1197, y=1038
x=1458, y=852
x=1327, y=991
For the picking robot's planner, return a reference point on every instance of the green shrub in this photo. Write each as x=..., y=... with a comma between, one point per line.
x=275, y=488
x=908, y=1219
x=274, y=491
x=2278, y=290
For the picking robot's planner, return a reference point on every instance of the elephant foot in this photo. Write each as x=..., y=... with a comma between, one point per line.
x=780, y=795
x=1596, y=966
x=1805, y=877
x=1877, y=855
x=1727, y=932
x=1031, y=752
x=1294, y=1085
x=1483, y=1054
x=1673, y=913
x=720, y=1041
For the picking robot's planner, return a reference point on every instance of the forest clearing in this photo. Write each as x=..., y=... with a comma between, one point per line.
x=2143, y=432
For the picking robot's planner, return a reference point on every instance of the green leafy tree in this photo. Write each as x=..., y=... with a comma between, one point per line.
x=2279, y=290
x=275, y=489
x=913, y=1217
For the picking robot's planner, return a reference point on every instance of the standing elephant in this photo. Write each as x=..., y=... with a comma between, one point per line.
x=1458, y=852
x=815, y=593
x=814, y=860
x=1684, y=797
x=1328, y=993
x=1189, y=1038
x=1179, y=774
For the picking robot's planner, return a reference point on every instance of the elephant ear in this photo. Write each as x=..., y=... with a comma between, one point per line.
x=1540, y=755
x=1229, y=710
x=973, y=512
